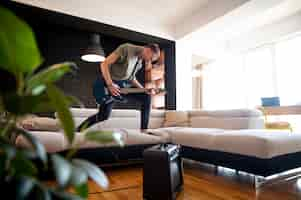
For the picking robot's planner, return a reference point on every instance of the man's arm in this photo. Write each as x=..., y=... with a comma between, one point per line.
x=148, y=66
x=136, y=83
x=104, y=68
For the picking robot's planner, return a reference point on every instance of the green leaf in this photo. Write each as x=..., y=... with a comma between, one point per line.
x=20, y=105
x=44, y=194
x=59, y=101
x=28, y=153
x=9, y=150
x=104, y=137
x=38, y=90
x=1, y=105
x=72, y=101
x=18, y=49
x=61, y=195
x=78, y=176
x=37, y=83
x=8, y=82
x=16, y=104
x=82, y=190
x=21, y=166
x=24, y=187
x=62, y=169
x=94, y=172
x=42, y=191
x=37, y=146
x=2, y=164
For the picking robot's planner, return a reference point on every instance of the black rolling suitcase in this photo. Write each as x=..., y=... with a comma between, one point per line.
x=162, y=172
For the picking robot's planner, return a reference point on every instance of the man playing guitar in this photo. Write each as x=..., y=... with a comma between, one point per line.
x=118, y=71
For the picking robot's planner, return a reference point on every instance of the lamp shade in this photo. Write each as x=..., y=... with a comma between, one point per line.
x=94, y=52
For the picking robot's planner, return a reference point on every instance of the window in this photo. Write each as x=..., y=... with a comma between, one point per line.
x=288, y=65
x=223, y=84
x=259, y=76
x=242, y=80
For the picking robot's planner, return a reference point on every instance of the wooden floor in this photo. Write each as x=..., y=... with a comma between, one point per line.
x=200, y=182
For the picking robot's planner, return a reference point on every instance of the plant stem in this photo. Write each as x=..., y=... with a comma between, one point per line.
x=6, y=127
x=20, y=80
x=71, y=152
x=11, y=121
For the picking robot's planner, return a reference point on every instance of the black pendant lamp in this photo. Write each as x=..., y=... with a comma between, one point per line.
x=94, y=52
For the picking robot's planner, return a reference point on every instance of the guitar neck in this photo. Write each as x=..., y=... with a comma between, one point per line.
x=132, y=90
x=136, y=90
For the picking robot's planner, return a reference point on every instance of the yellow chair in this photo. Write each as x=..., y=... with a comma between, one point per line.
x=278, y=125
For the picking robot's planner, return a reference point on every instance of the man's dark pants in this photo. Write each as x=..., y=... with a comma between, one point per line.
x=106, y=102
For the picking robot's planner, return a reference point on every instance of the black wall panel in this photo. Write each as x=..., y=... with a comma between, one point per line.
x=60, y=38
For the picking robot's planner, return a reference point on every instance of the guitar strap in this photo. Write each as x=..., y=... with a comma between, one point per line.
x=134, y=70
x=130, y=77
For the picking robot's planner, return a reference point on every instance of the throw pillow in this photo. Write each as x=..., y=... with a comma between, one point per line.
x=176, y=118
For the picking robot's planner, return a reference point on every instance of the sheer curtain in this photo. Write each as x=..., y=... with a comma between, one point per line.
x=259, y=75
x=240, y=81
x=223, y=84
x=288, y=65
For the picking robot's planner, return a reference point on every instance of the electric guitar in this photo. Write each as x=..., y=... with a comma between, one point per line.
x=101, y=92
x=139, y=90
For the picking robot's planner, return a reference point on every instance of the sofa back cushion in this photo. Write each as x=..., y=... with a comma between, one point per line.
x=224, y=119
x=35, y=123
x=156, y=119
x=120, y=118
x=227, y=123
x=176, y=118
x=227, y=119
x=226, y=113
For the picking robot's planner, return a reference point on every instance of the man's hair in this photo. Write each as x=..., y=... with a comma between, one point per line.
x=154, y=47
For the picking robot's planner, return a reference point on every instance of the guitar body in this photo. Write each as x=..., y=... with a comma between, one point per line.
x=101, y=93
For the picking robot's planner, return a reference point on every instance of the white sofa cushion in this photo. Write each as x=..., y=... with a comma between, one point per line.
x=52, y=141
x=164, y=133
x=120, y=118
x=157, y=113
x=157, y=118
x=87, y=112
x=259, y=143
x=227, y=122
x=40, y=124
x=82, y=112
x=56, y=141
x=128, y=136
x=135, y=137
x=263, y=144
x=227, y=119
x=155, y=122
x=195, y=137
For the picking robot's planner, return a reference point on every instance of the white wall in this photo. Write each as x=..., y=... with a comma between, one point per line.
x=184, y=79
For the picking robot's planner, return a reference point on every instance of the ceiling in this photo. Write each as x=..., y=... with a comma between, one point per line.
x=202, y=23
x=140, y=15
x=247, y=24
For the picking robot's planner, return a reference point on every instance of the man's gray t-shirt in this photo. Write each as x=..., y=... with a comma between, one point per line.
x=123, y=68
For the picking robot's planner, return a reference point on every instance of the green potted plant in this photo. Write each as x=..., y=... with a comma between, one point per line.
x=23, y=90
